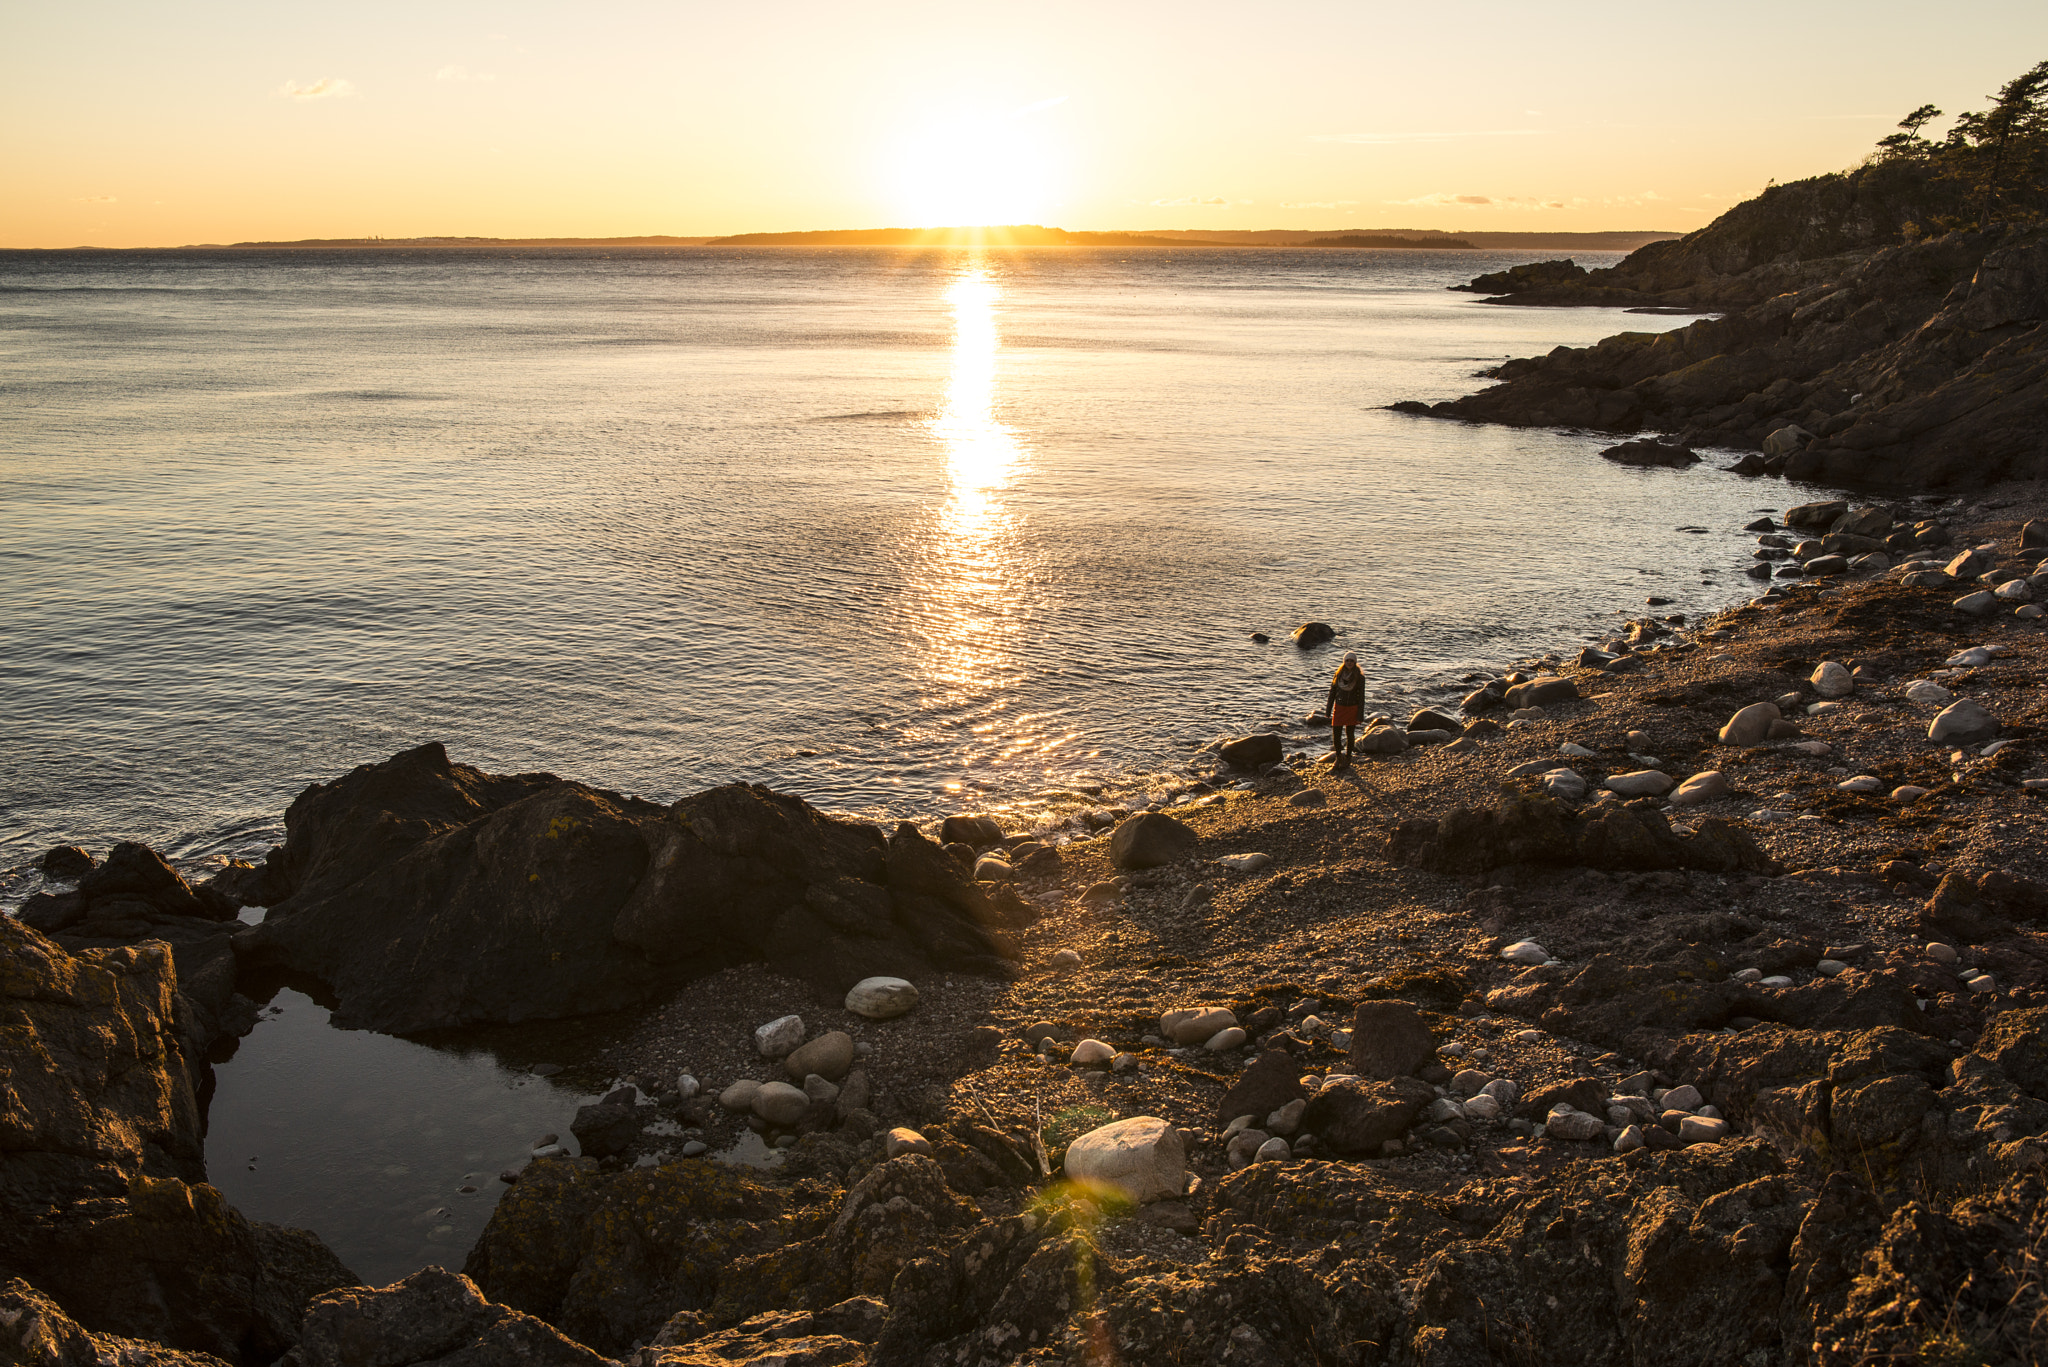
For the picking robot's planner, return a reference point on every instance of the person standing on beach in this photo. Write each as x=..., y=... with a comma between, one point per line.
x=1347, y=700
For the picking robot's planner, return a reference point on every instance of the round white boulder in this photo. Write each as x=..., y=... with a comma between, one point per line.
x=1144, y=1159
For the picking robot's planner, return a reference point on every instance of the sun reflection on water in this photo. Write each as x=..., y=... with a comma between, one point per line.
x=968, y=596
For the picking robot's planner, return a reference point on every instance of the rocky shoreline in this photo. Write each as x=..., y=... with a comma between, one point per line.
x=1677, y=999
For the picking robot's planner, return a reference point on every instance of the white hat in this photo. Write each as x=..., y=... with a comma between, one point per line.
x=1349, y=658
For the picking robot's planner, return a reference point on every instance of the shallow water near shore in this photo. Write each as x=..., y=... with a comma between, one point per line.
x=903, y=532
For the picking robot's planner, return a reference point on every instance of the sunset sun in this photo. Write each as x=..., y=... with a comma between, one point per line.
x=972, y=167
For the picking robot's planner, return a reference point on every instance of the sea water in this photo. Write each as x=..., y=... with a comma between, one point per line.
x=904, y=532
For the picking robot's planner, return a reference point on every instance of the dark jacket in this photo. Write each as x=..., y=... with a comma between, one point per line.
x=1354, y=696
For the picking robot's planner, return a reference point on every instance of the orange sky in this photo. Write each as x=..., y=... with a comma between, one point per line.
x=151, y=124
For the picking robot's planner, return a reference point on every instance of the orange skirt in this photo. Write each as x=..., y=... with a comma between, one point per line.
x=1341, y=715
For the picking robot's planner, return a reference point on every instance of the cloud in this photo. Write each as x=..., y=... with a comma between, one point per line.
x=452, y=72
x=324, y=88
x=97, y=199
x=1316, y=203
x=1391, y=139
x=1444, y=201
x=1191, y=202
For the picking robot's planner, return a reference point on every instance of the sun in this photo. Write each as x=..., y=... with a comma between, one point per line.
x=972, y=168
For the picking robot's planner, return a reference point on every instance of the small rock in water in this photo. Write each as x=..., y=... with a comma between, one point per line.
x=1525, y=952
x=779, y=1036
x=549, y=1151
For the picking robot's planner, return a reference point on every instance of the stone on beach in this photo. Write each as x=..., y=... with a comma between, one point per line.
x=1573, y=1126
x=881, y=998
x=1525, y=952
x=779, y=1036
x=1150, y=839
x=903, y=1140
x=1543, y=692
x=1962, y=723
x=1832, y=679
x=1091, y=1051
x=1751, y=725
x=1357, y=1115
x=1252, y=752
x=1701, y=787
x=1195, y=1025
x=1144, y=1159
x=830, y=1056
x=1245, y=863
x=1641, y=783
x=780, y=1104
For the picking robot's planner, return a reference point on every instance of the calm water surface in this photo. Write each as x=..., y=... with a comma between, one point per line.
x=899, y=531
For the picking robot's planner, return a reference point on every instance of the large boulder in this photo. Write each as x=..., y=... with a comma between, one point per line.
x=1149, y=839
x=1389, y=1039
x=1142, y=1159
x=1358, y=1115
x=534, y=897
x=1252, y=752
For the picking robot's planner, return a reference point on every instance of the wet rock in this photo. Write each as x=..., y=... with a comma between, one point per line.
x=607, y=1128
x=1646, y=451
x=1313, y=634
x=1143, y=1158
x=1358, y=1115
x=975, y=832
x=830, y=1055
x=1149, y=840
x=1253, y=752
x=433, y=1316
x=1544, y=692
x=881, y=998
x=65, y=861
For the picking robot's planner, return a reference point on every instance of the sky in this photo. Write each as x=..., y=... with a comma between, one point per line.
x=139, y=124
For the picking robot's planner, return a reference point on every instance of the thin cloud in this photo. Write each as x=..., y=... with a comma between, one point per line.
x=1391, y=139
x=1445, y=201
x=98, y=199
x=452, y=72
x=1316, y=203
x=327, y=87
x=1191, y=202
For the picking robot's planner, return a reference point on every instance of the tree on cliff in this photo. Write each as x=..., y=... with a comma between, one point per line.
x=1993, y=165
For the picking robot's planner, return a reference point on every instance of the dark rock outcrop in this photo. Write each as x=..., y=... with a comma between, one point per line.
x=1526, y=828
x=428, y=894
x=1645, y=451
x=1913, y=364
x=103, y=1202
x=432, y=1317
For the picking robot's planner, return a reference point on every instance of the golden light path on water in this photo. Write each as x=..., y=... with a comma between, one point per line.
x=973, y=581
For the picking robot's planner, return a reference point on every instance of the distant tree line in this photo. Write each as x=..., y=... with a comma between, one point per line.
x=1992, y=167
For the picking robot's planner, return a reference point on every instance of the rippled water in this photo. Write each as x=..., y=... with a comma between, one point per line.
x=899, y=531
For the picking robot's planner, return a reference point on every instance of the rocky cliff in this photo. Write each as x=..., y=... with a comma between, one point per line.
x=1922, y=365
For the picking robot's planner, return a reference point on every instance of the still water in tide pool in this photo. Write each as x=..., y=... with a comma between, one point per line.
x=903, y=532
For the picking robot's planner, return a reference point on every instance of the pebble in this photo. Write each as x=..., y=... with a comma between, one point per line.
x=1941, y=953
x=1629, y=1140
x=1529, y=1036
x=687, y=1086
x=1091, y=1051
x=1066, y=961
x=902, y=1140
x=1526, y=952
x=740, y=1096
x=1273, y=1150
x=1695, y=1129
x=549, y=1151
x=1685, y=1098
x=1701, y=787
x=1831, y=968
x=1982, y=983
x=778, y=1103
x=779, y=1037
x=1575, y=751
x=696, y=1148
x=1813, y=749
x=1832, y=680
x=1776, y=980
x=1482, y=1107
x=1908, y=792
x=1968, y=659
x=1245, y=863
x=1862, y=783
x=1750, y=975
x=1927, y=691
x=1641, y=783
x=1573, y=1126
x=1962, y=722
x=1232, y=1038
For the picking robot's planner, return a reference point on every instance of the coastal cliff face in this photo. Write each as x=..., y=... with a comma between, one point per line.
x=1897, y=360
